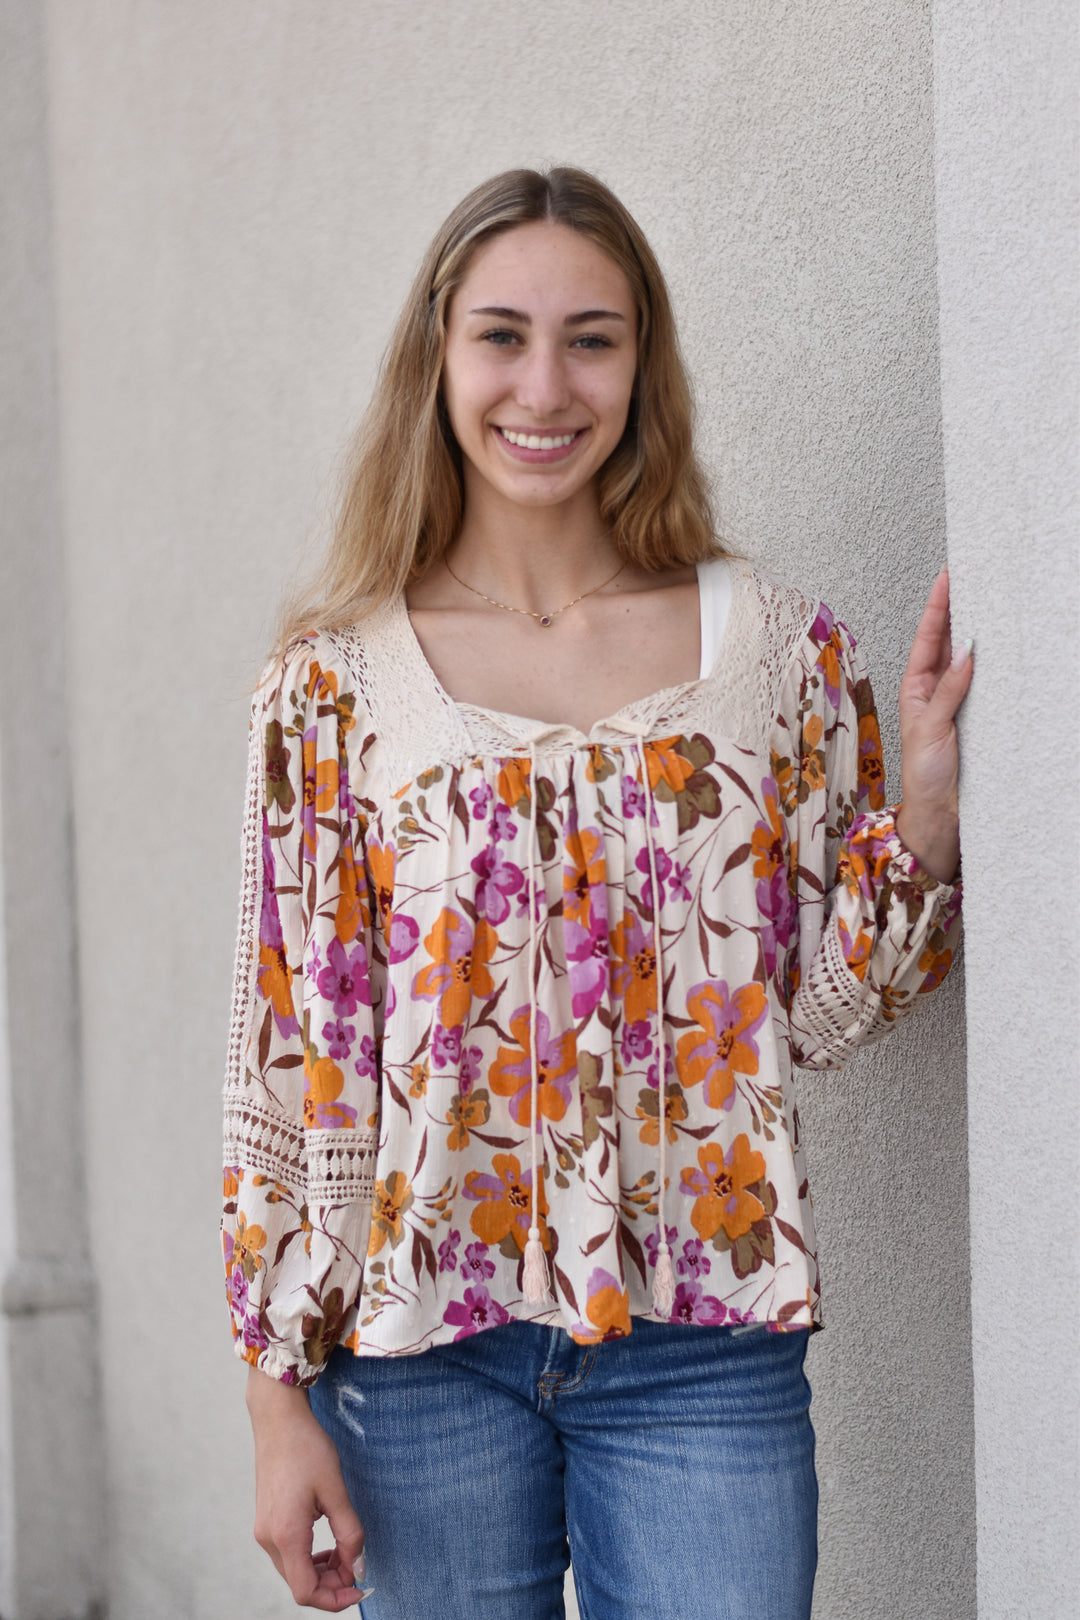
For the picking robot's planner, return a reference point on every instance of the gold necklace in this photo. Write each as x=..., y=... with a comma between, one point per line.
x=545, y=620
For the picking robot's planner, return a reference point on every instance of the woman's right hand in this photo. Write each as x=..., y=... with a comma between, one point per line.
x=298, y=1480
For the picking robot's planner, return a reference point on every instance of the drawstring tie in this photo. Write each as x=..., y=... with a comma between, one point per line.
x=536, y=1287
x=663, y=1290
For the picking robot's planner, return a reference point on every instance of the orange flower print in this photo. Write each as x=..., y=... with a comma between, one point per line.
x=608, y=1310
x=247, y=1241
x=633, y=972
x=323, y=1082
x=767, y=838
x=871, y=767
x=467, y=1112
x=459, y=968
x=393, y=1197
x=935, y=961
x=812, y=760
x=857, y=951
x=666, y=765
x=275, y=978
x=513, y=784
x=648, y=1109
x=584, y=871
x=322, y=779
x=504, y=1202
x=353, y=910
x=722, y=1046
x=600, y=766
x=783, y=774
x=381, y=861
x=511, y=1073
x=721, y=1184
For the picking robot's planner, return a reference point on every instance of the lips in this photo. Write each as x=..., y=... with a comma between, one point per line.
x=539, y=447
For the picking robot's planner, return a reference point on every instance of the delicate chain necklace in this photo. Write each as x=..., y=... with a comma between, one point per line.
x=545, y=620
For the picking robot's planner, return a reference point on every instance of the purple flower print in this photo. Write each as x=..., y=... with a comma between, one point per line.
x=344, y=981
x=499, y=878
x=679, y=882
x=238, y=1292
x=691, y=1306
x=448, y=1251
x=269, y=921
x=636, y=1043
x=404, y=937
x=587, y=963
x=633, y=798
x=339, y=1037
x=474, y=1313
x=652, y=1077
x=663, y=868
x=366, y=1063
x=446, y=1046
x=481, y=797
x=822, y=627
x=652, y=1242
x=538, y=901
x=245, y=1314
x=469, y=1072
x=502, y=827
x=693, y=1262
x=476, y=1263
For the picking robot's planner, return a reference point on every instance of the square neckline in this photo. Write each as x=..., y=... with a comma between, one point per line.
x=714, y=597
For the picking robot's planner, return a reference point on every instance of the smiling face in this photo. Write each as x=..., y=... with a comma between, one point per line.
x=541, y=355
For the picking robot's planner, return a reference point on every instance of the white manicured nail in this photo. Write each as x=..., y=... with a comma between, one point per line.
x=962, y=653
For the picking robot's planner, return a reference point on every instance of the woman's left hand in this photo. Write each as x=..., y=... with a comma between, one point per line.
x=935, y=684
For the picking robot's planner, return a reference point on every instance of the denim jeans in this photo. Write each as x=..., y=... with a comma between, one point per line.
x=675, y=1466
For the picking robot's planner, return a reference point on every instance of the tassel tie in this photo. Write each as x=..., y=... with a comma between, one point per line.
x=663, y=1291
x=536, y=1283
x=536, y=1286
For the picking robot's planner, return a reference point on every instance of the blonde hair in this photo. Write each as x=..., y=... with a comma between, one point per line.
x=402, y=499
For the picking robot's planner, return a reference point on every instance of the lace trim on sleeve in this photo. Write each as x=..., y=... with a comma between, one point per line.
x=330, y=1166
x=831, y=1012
x=246, y=964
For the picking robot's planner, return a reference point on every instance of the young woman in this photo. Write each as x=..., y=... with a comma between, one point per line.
x=566, y=840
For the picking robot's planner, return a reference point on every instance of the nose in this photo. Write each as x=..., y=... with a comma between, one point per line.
x=543, y=386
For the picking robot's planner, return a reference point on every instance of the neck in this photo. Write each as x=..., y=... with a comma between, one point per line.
x=533, y=557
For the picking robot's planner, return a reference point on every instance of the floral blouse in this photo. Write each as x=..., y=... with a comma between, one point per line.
x=496, y=977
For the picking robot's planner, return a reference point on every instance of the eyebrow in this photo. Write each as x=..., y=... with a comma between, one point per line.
x=587, y=315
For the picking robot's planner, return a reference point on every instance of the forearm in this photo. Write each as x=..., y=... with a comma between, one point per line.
x=933, y=836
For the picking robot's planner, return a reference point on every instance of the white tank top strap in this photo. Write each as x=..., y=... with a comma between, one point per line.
x=714, y=593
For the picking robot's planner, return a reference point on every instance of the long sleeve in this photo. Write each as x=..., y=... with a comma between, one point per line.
x=301, y=1093
x=874, y=930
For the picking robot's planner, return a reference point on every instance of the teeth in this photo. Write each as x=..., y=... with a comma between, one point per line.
x=533, y=441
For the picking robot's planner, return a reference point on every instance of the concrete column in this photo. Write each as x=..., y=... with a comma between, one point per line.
x=51, y=1529
x=1007, y=217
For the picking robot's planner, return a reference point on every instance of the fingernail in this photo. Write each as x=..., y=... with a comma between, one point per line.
x=962, y=653
x=365, y=1592
x=359, y=1568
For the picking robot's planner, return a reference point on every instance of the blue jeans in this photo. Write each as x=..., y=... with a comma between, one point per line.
x=675, y=1466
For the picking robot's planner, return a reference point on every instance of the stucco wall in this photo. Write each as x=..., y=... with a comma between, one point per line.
x=48, y=1393
x=1008, y=217
x=242, y=193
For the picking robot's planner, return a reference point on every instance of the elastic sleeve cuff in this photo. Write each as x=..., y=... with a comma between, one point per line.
x=876, y=850
x=277, y=1365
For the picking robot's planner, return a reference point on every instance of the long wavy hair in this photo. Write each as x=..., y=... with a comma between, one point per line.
x=403, y=493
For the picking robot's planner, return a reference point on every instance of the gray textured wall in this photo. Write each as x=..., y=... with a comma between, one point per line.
x=48, y=1379
x=1008, y=217
x=241, y=195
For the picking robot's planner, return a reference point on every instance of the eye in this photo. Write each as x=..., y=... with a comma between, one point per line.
x=501, y=337
x=592, y=340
